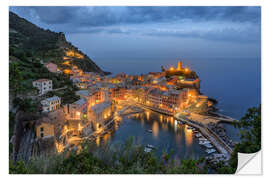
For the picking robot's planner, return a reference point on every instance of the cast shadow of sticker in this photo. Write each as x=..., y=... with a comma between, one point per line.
x=249, y=163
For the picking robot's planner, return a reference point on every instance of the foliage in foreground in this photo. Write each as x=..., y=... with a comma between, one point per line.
x=250, y=135
x=131, y=159
x=116, y=159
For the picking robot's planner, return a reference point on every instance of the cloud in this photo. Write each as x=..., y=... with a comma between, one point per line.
x=214, y=23
x=106, y=16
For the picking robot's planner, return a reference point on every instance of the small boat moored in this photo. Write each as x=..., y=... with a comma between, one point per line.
x=209, y=151
x=198, y=135
x=150, y=146
x=208, y=145
x=147, y=150
x=204, y=142
x=202, y=139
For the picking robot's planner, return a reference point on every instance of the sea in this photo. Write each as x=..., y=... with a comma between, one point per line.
x=234, y=82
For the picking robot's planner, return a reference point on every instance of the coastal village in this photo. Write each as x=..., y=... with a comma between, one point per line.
x=174, y=91
x=67, y=115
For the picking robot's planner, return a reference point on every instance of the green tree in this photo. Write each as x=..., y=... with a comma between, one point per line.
x=15, y=79
x=18, y=168
x=250, y=136
x=250, y=131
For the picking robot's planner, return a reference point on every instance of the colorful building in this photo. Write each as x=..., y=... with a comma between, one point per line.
x=44, y=128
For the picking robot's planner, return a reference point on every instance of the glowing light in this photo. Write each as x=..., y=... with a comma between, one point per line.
x=186, y=69
x=78, y=113
x=160, y=118
x=155, y=129
x=172, y=68
x=67, y=71
x=147, y=115
x=175, y=126
x=59, y=147
x=98, y=141
x=188, y=136
x=71, y=53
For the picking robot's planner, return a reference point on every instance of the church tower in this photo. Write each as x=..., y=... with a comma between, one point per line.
x=179, y=67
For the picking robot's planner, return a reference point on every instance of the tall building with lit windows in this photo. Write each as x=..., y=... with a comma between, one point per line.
x=179, y=67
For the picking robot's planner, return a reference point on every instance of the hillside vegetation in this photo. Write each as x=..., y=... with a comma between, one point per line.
x=27, y=39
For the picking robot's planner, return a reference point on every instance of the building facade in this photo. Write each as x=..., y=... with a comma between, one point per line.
x=100, y=114
x=51, y=104
x=43, y=85
x=44, y=128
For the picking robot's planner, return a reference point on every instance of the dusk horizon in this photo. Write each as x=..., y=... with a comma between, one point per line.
x=167, y=32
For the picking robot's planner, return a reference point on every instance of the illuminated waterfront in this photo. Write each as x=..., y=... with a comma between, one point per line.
x=166, y=134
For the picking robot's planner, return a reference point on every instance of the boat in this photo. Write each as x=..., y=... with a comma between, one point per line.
x=150, y=146
x=147, y=149
x=150, y=130
x=209, y=151
x=204, y=142
x=198, y=135
x=202, y=139
x=208, y=145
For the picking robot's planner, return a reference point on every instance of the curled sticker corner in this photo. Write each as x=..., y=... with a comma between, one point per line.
x=249, y=163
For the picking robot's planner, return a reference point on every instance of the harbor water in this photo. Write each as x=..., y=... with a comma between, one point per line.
x=161, y=131
x=234, y=82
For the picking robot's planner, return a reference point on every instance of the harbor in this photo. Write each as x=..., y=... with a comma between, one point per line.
x=160, y=133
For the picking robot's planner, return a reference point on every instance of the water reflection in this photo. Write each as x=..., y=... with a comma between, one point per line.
x=166, y=134
x=98, y=140
x=142, y=120
x=175, y=126
x=164, y=126
x=155, y=129
x=188, y=136
x=160, y=118
x=178, y=138
x=147, y=115
x=106, y=137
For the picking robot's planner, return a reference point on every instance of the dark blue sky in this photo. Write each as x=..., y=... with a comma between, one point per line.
x=164, y=32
